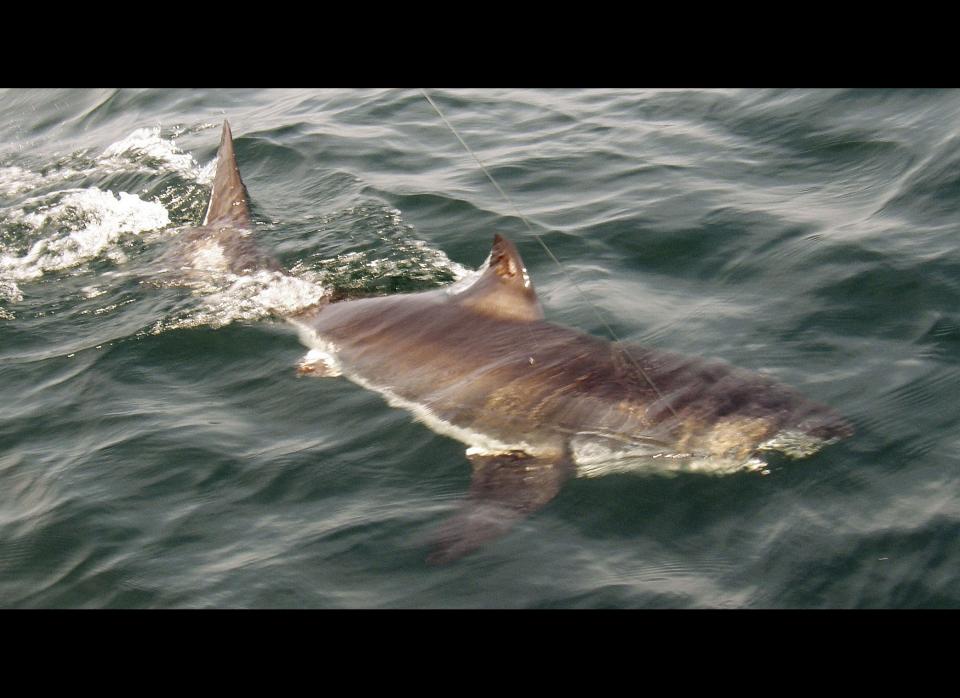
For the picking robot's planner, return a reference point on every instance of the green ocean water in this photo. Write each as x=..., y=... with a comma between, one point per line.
x=158, y=450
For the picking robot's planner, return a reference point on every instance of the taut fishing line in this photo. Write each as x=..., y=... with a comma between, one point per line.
x=550, y=254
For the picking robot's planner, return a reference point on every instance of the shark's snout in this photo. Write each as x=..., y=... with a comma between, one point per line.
x=832, y=429
x=826, y=425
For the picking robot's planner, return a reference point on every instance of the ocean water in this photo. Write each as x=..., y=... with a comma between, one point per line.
x=158, y=449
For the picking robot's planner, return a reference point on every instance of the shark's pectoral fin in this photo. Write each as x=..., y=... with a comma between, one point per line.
x=505, y=488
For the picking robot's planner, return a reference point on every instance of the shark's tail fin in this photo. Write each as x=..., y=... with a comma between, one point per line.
x=224, y=242
x=229, y=201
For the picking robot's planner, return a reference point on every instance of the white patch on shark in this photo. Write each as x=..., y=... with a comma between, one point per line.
x=320, y=363
x=322, y=352
x=209, y=256
x=476, y=442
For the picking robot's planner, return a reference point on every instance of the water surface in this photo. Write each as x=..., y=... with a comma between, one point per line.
x=157, y=448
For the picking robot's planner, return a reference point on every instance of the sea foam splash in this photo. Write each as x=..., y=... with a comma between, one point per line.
x=14, y=180
x=82, y=225
x=228, y=298
x=147, y=149
x=10, y=293
x=77, y=225
x=144, y=150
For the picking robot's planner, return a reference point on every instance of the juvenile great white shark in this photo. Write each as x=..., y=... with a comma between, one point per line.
x=535, y=403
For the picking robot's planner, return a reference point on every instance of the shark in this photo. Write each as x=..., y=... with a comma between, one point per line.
x=535, y=403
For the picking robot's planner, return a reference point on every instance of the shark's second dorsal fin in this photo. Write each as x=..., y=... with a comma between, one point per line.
x=229, y=201
x=503, y=289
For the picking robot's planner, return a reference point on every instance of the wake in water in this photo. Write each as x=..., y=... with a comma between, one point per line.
x=47, y=228
x=394, y=261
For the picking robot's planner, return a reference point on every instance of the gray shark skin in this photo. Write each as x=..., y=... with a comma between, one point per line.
x=536, y=403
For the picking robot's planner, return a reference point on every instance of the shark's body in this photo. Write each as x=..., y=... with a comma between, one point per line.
x=535, y=402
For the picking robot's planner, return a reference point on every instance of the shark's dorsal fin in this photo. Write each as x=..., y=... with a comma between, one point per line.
x=229, y=201
x=503, y=289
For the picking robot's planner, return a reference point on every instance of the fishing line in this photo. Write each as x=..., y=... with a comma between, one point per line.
x=550, y=254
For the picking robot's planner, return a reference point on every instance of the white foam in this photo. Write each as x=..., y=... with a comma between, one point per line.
x=439, y=259
x=229, y=298
x=14, y=180
x=144, y=150
x=145, y=146
x=282, y=294
x=465, y=280
x=10, y=291
x=93, y=291
x=206, y=173
x=86, y=223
